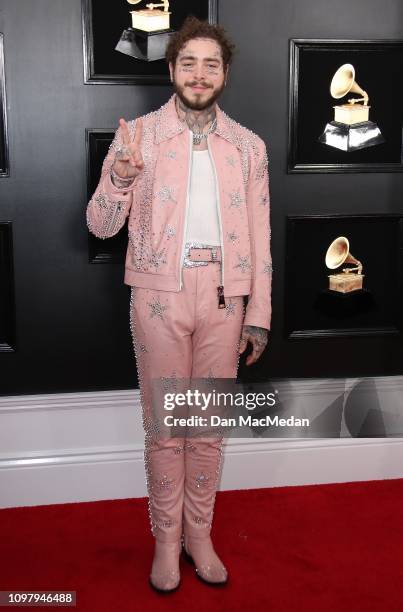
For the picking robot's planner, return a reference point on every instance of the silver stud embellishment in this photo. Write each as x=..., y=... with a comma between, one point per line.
x=166, y=194
x=243, y=263
x=268, y=268
x=169, y=382
x=170, y=231
x=236, y=199
x=101, y=201
x=190, y=447
x=202, y=480
x=232, y=236
x=156, y=308
x=230, y=308
x=165, y=483
x=157, y=259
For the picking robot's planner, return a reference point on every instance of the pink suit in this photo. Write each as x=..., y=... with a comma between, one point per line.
x=178, y=330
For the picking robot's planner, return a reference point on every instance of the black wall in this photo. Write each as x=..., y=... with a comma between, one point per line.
x=73, y=317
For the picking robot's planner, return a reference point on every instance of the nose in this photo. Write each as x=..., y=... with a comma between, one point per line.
x=199, y=71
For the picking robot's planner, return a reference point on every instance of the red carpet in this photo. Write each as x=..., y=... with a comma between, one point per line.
x=321, y=548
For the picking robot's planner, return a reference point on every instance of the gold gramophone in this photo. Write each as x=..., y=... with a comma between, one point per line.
x=148, y=37
x=351, y=129
x=150, y=19
x=350, y=279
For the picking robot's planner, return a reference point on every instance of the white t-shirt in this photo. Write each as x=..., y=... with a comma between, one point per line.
x=203, y=223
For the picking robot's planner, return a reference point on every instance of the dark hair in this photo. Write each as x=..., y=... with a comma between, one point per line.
x=194, y=28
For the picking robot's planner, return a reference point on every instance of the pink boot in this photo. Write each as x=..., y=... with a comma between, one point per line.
x=164, y=462
x=202, y=465
x=165, y=575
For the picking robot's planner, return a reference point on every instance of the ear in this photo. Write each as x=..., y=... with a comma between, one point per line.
x=171, y=71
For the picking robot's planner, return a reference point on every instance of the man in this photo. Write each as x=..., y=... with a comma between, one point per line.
x=194, y=184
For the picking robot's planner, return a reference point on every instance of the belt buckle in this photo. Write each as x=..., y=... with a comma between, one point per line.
x=188, y=263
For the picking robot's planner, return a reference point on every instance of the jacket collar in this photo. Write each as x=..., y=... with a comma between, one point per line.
x=169, y=125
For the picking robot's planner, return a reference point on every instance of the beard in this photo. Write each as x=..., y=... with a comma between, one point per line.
x=197, y=104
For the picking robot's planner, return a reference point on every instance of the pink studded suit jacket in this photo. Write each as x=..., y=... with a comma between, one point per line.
x=157, y=203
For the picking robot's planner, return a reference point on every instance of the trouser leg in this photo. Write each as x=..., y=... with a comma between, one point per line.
x=159, y=322
x=215, y=355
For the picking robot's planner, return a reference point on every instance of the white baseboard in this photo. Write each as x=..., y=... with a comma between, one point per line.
x=76, y=447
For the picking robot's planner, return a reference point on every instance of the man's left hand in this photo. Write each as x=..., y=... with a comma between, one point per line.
x=258, y=337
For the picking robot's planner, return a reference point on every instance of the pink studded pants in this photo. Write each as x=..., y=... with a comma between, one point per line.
x=183, y=335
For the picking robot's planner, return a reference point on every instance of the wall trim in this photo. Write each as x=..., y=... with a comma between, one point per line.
x=42, y=463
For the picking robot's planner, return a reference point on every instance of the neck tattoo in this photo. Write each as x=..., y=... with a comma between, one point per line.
x=201, y=123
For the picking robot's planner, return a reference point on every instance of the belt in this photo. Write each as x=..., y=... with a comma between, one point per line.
x=197, y=254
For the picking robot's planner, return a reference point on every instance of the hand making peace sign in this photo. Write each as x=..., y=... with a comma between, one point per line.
x=129, y=161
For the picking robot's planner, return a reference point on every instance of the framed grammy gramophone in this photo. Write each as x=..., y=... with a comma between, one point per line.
x=341, y=116
x=350, y=278
x=148, y=36
x=124, y=41
x=351, y=128
x=343, y=275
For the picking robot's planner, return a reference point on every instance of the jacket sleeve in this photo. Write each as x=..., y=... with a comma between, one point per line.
x=258, y=310
x=110, y=205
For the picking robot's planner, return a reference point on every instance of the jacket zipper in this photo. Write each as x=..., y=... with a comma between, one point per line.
x=221, y=299
x=186, y=211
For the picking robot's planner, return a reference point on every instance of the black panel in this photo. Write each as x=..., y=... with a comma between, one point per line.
x=7, y=303
x=315, y=312
x=4, y=169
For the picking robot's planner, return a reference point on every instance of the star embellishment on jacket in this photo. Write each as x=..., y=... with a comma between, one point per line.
x=170, y=231
x=236, y=199
x=157, y=259
x=243, y=263
x=166, y=194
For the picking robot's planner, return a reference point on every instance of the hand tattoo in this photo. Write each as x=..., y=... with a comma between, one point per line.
x=258, y=336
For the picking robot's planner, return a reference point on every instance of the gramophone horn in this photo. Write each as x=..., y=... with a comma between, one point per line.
x=339, y=253
x=343, y=82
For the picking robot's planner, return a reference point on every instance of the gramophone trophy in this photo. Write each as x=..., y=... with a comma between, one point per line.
x=148, y=37
x=350, y=279
x=351, y=129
